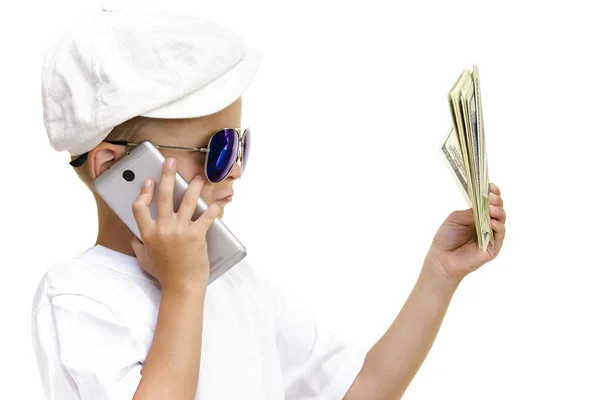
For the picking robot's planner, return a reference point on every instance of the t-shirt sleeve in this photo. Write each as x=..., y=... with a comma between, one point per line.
x=84, y=352
x=315, y=365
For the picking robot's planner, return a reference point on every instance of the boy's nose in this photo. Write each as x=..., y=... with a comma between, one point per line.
x=236, y=171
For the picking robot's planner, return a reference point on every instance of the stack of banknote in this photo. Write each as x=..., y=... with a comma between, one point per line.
x=464, y=151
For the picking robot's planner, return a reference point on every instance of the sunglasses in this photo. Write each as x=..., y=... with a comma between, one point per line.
x=225, y=148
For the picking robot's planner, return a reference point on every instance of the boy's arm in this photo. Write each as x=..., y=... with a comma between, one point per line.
x=394, y=360
x=172, y=368
x=175, y=252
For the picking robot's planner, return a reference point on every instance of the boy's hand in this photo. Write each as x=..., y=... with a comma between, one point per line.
x=455, y=252
x=174, y=249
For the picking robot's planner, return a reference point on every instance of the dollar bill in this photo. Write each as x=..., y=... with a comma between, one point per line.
x=451, y=154
x=484, y=180
x=467, y=102
x=464, y=151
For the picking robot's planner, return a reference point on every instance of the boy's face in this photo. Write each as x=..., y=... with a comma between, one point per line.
x=196, y=132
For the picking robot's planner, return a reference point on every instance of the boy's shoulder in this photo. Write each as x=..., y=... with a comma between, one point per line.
x=111, y=278
x=97, y=273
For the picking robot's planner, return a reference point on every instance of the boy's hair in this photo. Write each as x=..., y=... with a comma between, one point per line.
x=129, y=131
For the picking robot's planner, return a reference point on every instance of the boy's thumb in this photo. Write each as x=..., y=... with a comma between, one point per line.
x=137, y=246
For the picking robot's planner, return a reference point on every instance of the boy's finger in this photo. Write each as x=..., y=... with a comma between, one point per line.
x=499, y=233
x=137, y=246
x=141, y=207
x=190, y=199
x=140, y=253
x=498, y=213
x=496, y=200
x=207, y=218
x=494, y=189
x=164, y=206
x=461, y=217
x=498, y=227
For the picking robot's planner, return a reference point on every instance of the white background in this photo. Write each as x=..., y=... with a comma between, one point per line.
x=346, y=186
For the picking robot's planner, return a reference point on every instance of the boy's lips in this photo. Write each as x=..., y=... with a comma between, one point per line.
x=227, y=198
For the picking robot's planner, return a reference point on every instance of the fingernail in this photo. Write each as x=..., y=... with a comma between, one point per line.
x=148, y=183
x=171, y=162
x=198, y=177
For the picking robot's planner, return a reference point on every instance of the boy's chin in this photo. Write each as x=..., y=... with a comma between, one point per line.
x=221, y=205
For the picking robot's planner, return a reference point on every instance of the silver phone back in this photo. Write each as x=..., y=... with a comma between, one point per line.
x=145, y=161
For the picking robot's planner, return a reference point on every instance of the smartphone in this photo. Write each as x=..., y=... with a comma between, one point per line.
x=121, y=185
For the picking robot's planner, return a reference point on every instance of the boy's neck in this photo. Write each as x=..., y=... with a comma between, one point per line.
x=112, y=232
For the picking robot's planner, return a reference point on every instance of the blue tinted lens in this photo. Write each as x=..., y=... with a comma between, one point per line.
x=222, y=153
x=246, y=149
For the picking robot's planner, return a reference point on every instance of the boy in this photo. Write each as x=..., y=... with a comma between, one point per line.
x=126, y=320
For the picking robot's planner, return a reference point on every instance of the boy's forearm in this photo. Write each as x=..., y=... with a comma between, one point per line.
x=394, y=360
x=172, y=367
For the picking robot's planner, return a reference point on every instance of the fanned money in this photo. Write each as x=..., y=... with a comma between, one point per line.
x=464, y=151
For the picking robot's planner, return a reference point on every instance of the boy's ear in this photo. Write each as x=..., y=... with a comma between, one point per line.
x=102, y=157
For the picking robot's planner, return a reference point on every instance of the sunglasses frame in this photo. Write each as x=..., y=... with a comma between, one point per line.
x=241, y=135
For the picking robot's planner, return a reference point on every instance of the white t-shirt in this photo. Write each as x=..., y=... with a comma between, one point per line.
x=94, y=316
